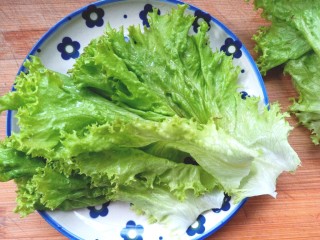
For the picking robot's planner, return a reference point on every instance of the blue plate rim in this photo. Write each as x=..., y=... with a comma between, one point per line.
x=66, y=19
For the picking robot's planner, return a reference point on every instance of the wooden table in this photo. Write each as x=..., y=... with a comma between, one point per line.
x=295, y=214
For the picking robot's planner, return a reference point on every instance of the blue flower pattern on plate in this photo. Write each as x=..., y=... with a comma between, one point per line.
x=103, y=211
x=244, y=95
x=144, y=14
x=225, y=205
x=126, y=38
x=232, y=47
x=93, y=16
x=197, y=227
x=132, y=231
x=68, y=48
x=201, y=16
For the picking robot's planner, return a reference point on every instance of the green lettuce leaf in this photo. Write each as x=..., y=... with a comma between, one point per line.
x=113, y=179
x=284, y=9
x=182, y=134
x=293, y=32
x=125, y=166
x=161, y=71
x=278, y=43
x=264, y=131
x=293, y=39
x=231, y=156
x=50, y=105
x=307, y=22
x=51, y=190
x=40, y=187
x=305, y=75
x=158, y=204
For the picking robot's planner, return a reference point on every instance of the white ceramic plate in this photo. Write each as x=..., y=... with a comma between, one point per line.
x=59, y=48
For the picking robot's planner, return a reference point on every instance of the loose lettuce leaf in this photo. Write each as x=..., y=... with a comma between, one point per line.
x=40, y=187
x=125, y=166
x=161, y=71
x=305, y=75
x=293, y=32
x=264, y=131
x=217, y=149
x=231, y=156
x=300, y=22
x=113, y=179
x=278, y=43
x=51, y=190
x=159, y=205
x=50, y=105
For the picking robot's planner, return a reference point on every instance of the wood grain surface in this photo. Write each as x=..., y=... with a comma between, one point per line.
x=294, y=214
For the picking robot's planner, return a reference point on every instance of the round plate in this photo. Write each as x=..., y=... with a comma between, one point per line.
x=59, y=48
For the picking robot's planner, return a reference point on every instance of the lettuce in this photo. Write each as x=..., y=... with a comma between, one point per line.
x=41, y=187
x=293, y=32
x=124, y=166
x=230, y=156
x=293, y=39
x=305, y=75
x=42, y=191
x=120, y=125
x=161, y=71
x=159, y=204
x=284, y=9
x=50, y=190
x=50, y=105
x=278, y=43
